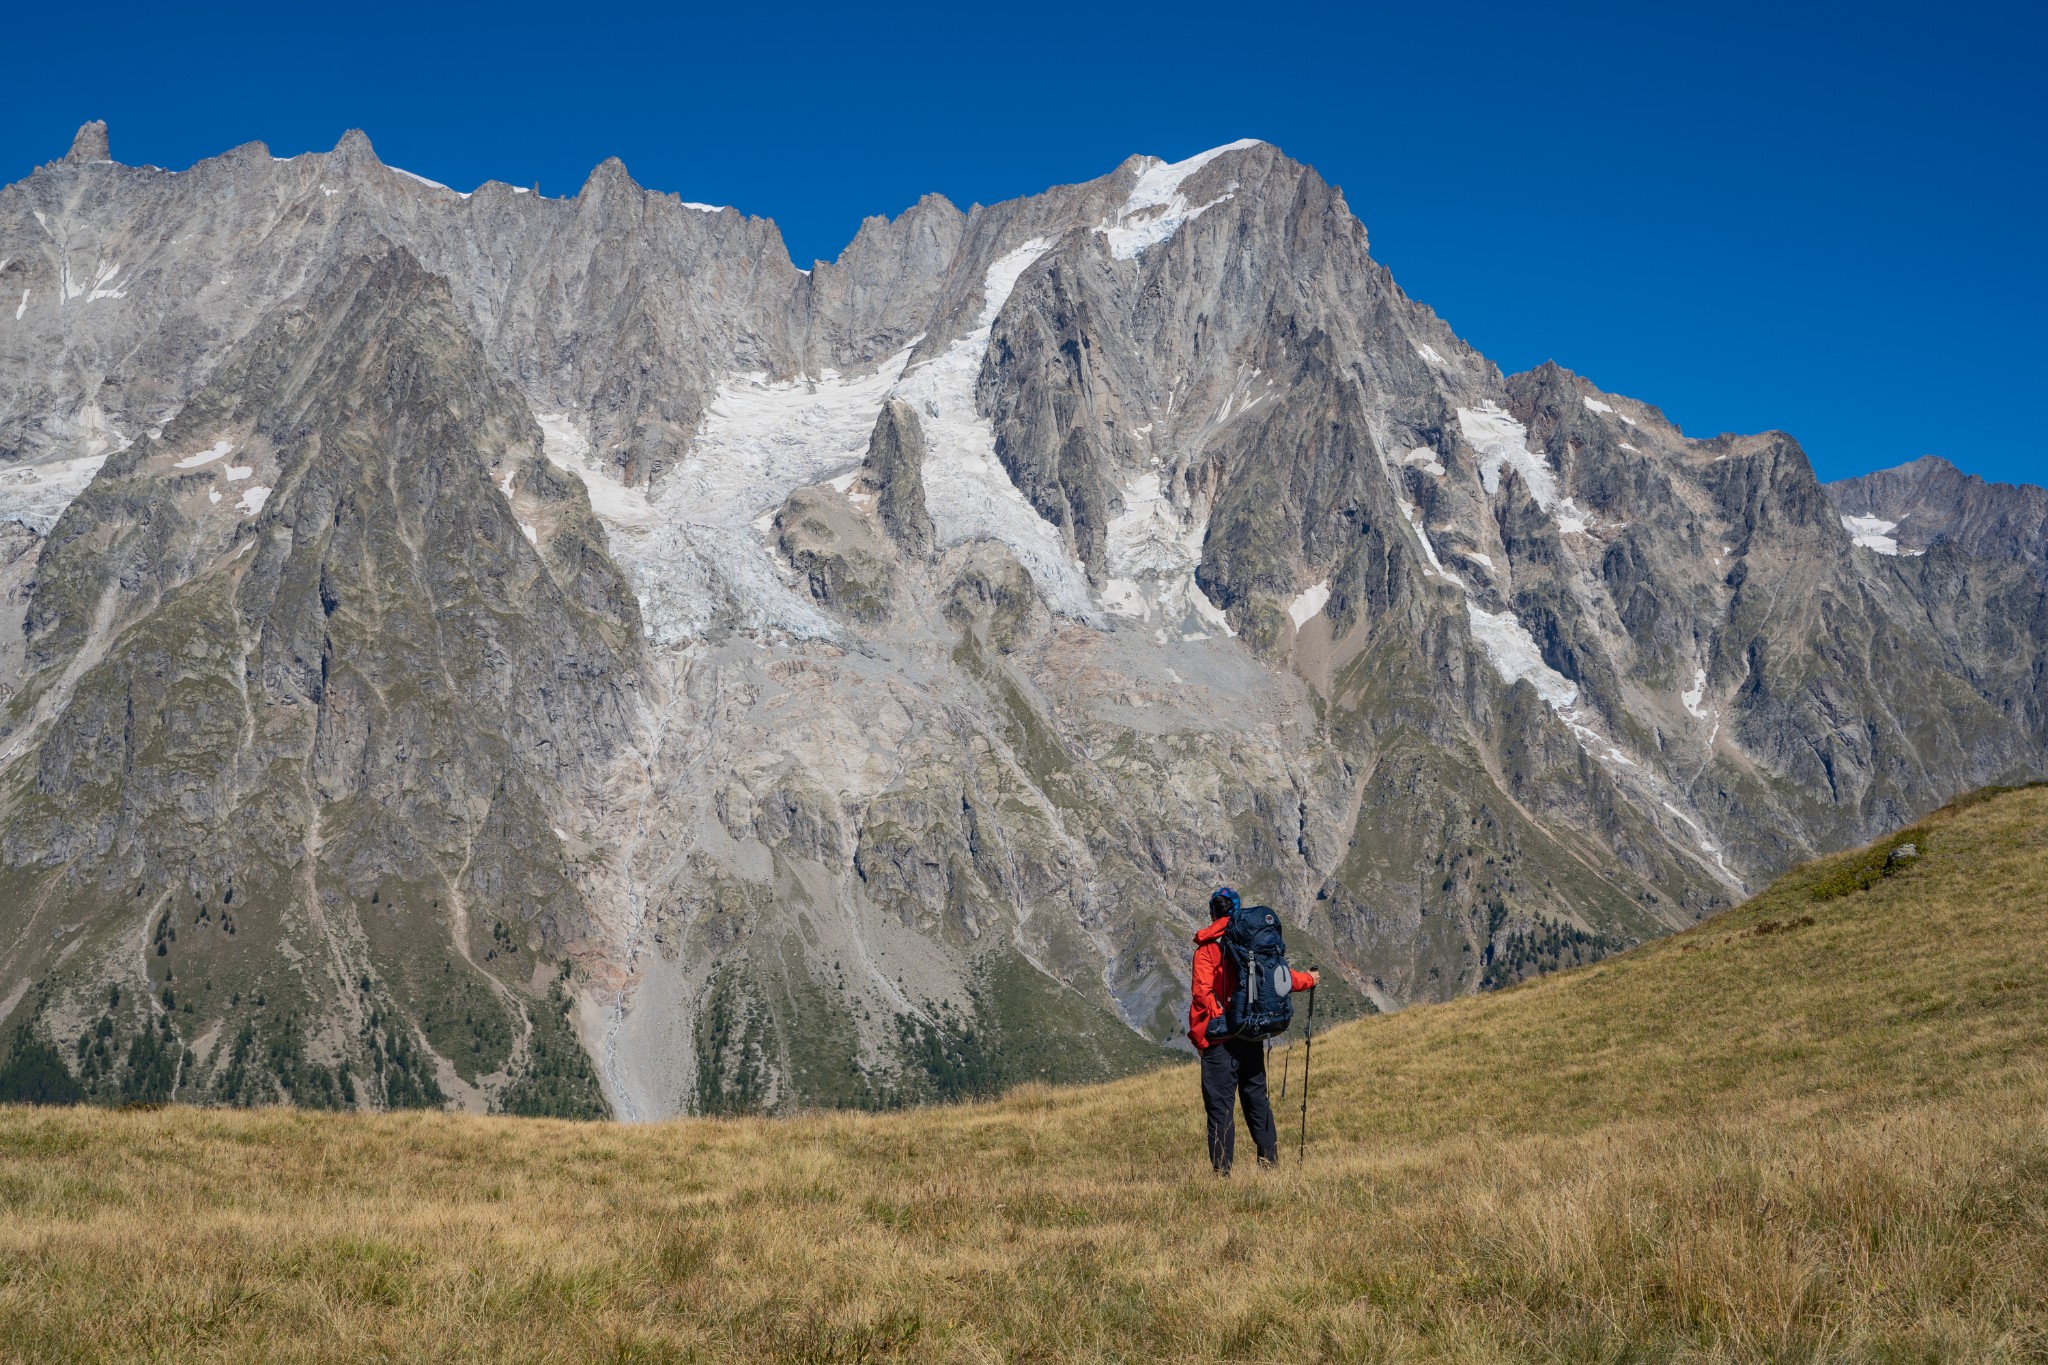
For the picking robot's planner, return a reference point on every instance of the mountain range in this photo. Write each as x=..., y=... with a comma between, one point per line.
x=556, y=655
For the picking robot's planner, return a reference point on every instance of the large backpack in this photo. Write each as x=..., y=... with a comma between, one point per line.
x=1262, y=1005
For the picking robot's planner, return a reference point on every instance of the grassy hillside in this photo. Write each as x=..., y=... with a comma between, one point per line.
x=1813, y=1128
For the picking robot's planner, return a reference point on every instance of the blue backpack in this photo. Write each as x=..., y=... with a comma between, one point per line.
x=1262, y=1005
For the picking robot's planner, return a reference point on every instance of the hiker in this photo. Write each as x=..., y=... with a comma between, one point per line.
x=1231, y=1065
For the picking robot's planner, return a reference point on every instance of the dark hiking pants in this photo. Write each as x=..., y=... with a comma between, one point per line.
x=1235, y=1068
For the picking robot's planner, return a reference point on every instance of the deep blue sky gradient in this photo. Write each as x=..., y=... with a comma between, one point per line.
x=1826, y=219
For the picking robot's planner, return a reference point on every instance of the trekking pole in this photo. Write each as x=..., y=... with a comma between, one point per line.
x=1286, y=1057
x=1308, y=1044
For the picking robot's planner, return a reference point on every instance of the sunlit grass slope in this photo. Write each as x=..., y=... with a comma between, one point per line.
x=1810, y=1129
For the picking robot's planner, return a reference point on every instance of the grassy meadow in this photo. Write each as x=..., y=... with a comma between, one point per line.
x=1815, y=1128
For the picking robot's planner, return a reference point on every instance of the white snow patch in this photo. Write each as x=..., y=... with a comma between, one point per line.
x=1692, y=696
x=36, y=495
x=704, y=208
x=1429, y=353
x=1501, y=440
x=1872, y=533
x=532, y=536
x=253, y=500
x=1514, y=655
x=213, y=495
x=238, y=472
x=207, y=456
x=1595, y=404
x=968, y=493
x=1156, y=209
x=102, y=278
x=1312, y=600
x=1626, y=446
x=1571, y=520
x=21, y=307
x=1478, y=558
x=1424, y=459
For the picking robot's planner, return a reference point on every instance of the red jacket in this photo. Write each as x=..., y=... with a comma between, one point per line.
x=1215, y=980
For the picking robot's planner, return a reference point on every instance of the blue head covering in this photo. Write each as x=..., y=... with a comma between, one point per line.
x=1224, y=902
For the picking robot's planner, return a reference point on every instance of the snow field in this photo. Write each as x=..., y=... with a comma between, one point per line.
x=1309, y=604
x=565, y=447
x=1873, y=533
x=1692, y=696
x=36, y=495
x=1424, y=459
x=697, y=550
x=967, y=492
x=1156, y=209
x=1515, y=656
x=1501, y=440
x=1153, y=550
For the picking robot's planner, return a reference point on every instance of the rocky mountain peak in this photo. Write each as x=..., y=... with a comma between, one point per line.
x=1912, y=507
x=607, y=176
x=90, y=144
x=354, y=150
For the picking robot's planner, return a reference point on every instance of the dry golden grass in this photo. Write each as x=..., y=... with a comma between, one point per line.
x=1825, y=1141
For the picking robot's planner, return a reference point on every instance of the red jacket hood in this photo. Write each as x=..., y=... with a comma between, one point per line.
x=1213, y=932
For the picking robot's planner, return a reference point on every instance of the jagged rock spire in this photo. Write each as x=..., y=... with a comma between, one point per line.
x=609, y=172
x=895, y=465
x=354, y=149
x=90, y=144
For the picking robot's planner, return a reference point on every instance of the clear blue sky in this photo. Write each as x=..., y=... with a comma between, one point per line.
x=1827, y=219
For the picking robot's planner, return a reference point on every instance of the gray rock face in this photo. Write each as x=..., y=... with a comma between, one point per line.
x=90, y=144
x=313, y=695
x=855, y=682
x=895, y=468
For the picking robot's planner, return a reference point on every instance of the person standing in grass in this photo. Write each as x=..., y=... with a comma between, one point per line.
x=1233, y=1069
